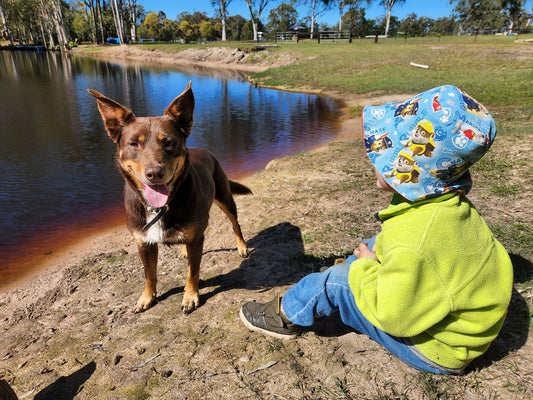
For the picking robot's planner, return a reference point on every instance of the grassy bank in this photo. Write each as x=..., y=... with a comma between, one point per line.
x=495, y=69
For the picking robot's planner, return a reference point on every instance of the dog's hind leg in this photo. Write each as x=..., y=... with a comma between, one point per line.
x=191, y=297
x=224, y=191
x=230, y=209
x=148, y=254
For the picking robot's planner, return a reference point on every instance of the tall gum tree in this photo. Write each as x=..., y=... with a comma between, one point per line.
x=221, y=7
x=256, y=7
x=388, y=5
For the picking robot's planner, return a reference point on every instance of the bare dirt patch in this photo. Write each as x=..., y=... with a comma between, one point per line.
x=244, y=60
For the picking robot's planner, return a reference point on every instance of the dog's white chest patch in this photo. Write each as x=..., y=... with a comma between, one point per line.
x=155, y=233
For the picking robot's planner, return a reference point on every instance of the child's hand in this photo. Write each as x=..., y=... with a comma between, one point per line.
x=364, y=252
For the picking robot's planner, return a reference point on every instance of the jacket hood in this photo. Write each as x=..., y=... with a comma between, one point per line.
x=424, y=146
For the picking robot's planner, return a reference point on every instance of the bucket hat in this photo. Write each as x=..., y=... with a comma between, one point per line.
x=423, y=147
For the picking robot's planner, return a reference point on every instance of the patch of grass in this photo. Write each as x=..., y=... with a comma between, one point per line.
x=505, y=189
x=274, y=345
x=342, y=386
x=151, y=330
x=307, y=238
x=435, y=387
x=231, y=314
x=356, y=111
x=516, y=237
x=137, y=392
x=117, y=258
x=480, y=67
x=492, y=165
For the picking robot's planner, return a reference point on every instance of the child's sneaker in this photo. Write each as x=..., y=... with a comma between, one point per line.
x=268, y=318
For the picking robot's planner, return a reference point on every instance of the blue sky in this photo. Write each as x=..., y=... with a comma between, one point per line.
x=427, y=8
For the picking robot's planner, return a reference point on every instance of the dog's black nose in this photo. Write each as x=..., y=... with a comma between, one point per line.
x=154, y=173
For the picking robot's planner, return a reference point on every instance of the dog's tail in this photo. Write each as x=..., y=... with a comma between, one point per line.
x=237, y=188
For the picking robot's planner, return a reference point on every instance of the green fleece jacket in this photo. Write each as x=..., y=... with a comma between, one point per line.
x=442, y=279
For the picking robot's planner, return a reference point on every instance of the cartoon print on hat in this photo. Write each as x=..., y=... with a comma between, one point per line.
x=424, y=146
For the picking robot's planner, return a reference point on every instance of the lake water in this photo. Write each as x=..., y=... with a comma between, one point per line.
x=59, y=180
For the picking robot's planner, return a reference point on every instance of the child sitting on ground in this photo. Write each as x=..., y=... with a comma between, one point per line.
x=433, y=287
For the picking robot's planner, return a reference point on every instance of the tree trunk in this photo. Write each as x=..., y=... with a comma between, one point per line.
x=57, y=17
x=313, y=18
x=254, y=22
x=92, y=21
x=528, y=22
x=341, y=12
x=6, y=32
x=132, y=8
x=224, y=29
x=119, y=23
x=47, y=24
x=387, y=23
x=100, y=21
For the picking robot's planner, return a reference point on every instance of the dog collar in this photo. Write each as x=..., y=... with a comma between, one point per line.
x=159, y=212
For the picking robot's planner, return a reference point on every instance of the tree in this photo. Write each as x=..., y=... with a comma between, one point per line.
x=316, y=9
x=54, y=9
x=341, y=13
x=388, y=5
x=221, y=6
x=256, y=7
x=119, y=21
x=235, y=26
x=282, y=18
x=354, y=16
x=416, y=26
x=190, y=25
x=513, y=9
x=477, y=15
x=81, y=28
x=442, y=26
x=133, y=12
x=152, y=25
x=530, y=15
x=207, y=30
x=195, y=18
x=169, y=30
x=6, y=32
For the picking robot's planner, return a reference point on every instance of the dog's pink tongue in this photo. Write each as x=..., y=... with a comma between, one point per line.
x=157, y=195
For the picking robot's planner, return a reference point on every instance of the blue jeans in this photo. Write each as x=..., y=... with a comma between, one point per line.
x=323, y=293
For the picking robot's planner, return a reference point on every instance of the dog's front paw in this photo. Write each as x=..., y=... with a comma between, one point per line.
x=146, y=301
x=190, y=303
x=243, y=251
x=183, y=253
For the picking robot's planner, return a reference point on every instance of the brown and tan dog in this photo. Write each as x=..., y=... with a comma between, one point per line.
x=169, y=188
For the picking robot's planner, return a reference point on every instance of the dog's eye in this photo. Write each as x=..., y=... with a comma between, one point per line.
x=169, y=144
x=134, y=145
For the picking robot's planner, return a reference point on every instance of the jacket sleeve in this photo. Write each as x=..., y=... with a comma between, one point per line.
x=403, y=295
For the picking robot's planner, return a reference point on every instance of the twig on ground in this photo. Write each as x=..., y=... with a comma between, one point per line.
x=266, y=366
x=143, y=363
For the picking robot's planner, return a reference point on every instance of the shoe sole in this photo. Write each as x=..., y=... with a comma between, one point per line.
x=254, y=328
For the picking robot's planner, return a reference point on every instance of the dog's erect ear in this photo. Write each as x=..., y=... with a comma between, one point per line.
x=182, y=109
x=115, y=116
